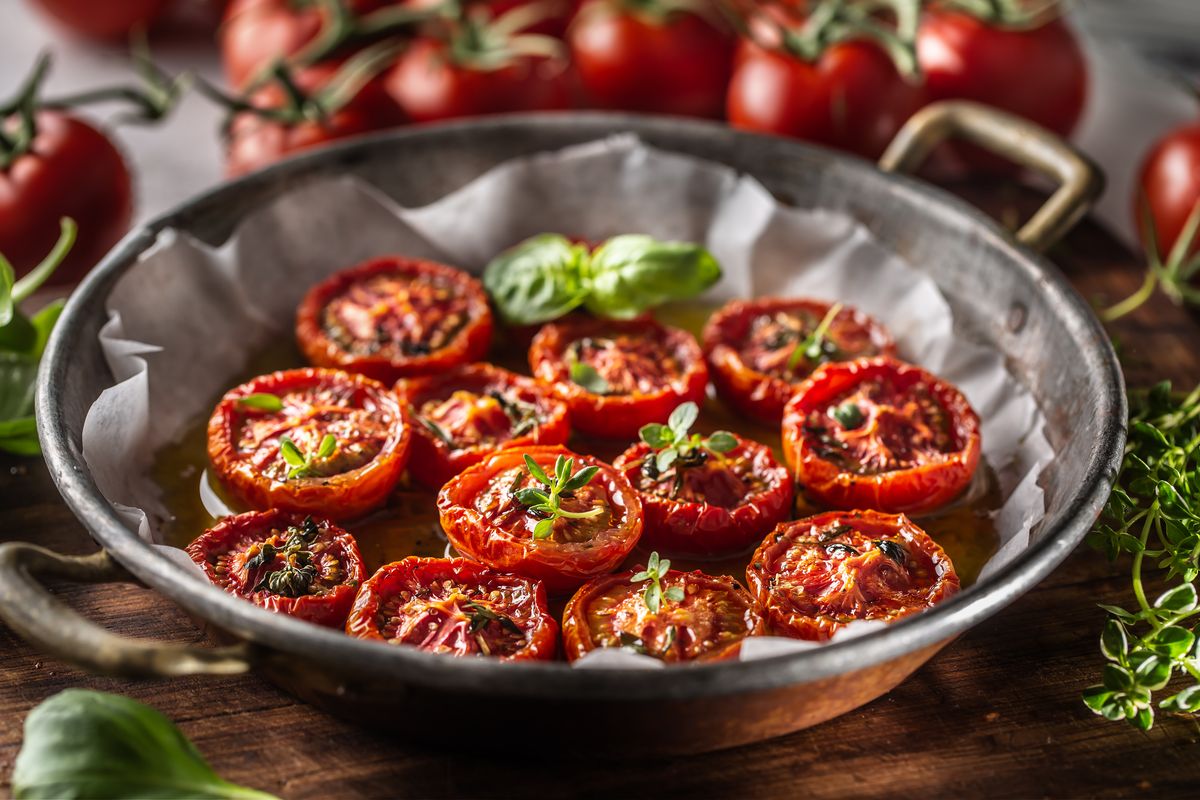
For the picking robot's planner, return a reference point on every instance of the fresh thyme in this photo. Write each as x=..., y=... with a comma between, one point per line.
x=656, y=569
x=301, y=464
x=297, y=574
x=547, y=502
x=674, y=445
x=816, y=347
x=481, y=616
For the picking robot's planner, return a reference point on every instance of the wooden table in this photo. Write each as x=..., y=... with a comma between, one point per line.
x=996, y=714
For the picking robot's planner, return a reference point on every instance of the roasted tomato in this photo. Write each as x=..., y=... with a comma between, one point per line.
x=618, y=376
x=814, y=575
x=302, y=566
x=667, y=614
x=561, y=532
x=313, y=440
x=879, y=433
x=394, y=318
x=463, y=415
x=457, y=607
x=760, y=350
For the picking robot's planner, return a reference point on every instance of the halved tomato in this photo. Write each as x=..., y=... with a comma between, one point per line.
x=708, y=623
x=709, y=503
x=617, y=376
x=462, y=415
x=878, y=433
x=815, y=575
x=294, y=564
x=457, y=607
x=319, y=441
x=760, y=350
x=485, y=518
x=395, y=317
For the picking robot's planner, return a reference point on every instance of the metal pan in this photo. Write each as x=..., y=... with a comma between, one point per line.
x=1007, y=295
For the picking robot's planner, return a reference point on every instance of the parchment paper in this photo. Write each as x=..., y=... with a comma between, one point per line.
x=186, y=318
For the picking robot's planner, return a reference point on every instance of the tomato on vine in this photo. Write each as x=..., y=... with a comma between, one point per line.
x=111, y=19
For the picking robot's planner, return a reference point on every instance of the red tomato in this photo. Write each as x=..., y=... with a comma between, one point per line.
x=818, y=574
x=71, y=170
x=485, y=521
x=755, y=349
x=466, y=413
x=645, y=370
x=1170, y=184
x=109, y=19
x=247, y=442
x=429, y=85
x=708, y=624
x=709, y=504
x=395, y=317
x=456, y=607
x=852, y=98
x=636, y=57
x=301, y=566
x=878, y=433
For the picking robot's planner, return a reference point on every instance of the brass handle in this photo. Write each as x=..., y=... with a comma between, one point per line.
x=42, y=620
x=1080, y=180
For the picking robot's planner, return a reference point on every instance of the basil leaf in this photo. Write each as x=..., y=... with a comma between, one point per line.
x=629, y=274
x=291, y=453
x=585, y=375
x=538, y=280
x=327, y=446
x=91, y=744
x=263, y=401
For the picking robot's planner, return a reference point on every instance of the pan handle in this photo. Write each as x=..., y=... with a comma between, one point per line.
x=42, y=620
x=1019, y=140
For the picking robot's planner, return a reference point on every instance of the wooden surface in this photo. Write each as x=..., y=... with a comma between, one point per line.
x=997, y=714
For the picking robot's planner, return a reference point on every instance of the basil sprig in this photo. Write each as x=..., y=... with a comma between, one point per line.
x=545, y=277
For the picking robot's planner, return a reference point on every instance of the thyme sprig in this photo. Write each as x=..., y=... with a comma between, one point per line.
x=301, y=464
x=481, y=616
x=816, y=347
x=298, y=572
x=675, y=446
x=1153, y=514
x=656, y=569
x=547, y=502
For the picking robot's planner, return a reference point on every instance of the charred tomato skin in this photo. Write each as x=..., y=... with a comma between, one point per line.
x=417, y=575
x=340, y=495
x=758, y=394
x=438, y=460
x=222, y=553
x=727, y=608
x=468, y=343
x=828, y=558
x=620, y=416
x=705, y=529
x=917, y=488
x=561, y=566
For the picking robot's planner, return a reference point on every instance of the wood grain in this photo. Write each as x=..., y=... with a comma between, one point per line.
x=997, y=714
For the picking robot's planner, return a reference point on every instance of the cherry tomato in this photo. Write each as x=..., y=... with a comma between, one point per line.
x=457, y=607
x=305, y=567
x=466, y=413
x=756, y=349
x=1170, y=184
x=395, y=317
x=645, y=57
x=852, y=98
x=709, y=623
x=485, y=521
x=878, y=433
x=813, y=576
x=632, y=372
x=707, y=503
x=110, y=19
x=349, y=442
x=71, y=170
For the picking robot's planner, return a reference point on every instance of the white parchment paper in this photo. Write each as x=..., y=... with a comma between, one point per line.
x=187, y=317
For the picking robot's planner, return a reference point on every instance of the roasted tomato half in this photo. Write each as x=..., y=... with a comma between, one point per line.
x=707, y=622
x=302, y=566
x=617, y=376
x=814, y=575
x=457, y=607
x=709, y=503
x=462, y=415
x=395, y=317
x=878, y=433
x=319, y=441
x=760, y=350
x=561, y=532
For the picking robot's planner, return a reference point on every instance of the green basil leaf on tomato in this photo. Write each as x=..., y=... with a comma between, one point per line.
x=538, y=280
x=632, y=273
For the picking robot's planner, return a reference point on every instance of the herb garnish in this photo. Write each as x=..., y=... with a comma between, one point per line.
x=300, y=464
x=893, y=550
x=1153, y=514
x=848, y=415
x=262, y=401
x=816, y=347
x=297, y=574
x=481, y=616
x=522, y=415
x=562, y=485
x=675, y=446
x=584, y=374
x=436, y=430
x=637, y=645
x=656, y=569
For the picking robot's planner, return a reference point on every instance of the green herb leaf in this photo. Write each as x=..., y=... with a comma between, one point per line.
x=548, y=502
x=537, y=472
x=656, y=569
x=848, y=415
x=585, y=375
x=291, y=453
x=665, y=459
x=436, y=430
x=815, y=348
x=1186, y=701
x=538, y=280
x=656, y=435
x=682, y=419
x=721, y=442
x=544, y=529
x=1114, y=644
x=675, y=594
x=262, y=401
x=327, y=446
x=632, y=273
x=1180, y=599
x=580, y=479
